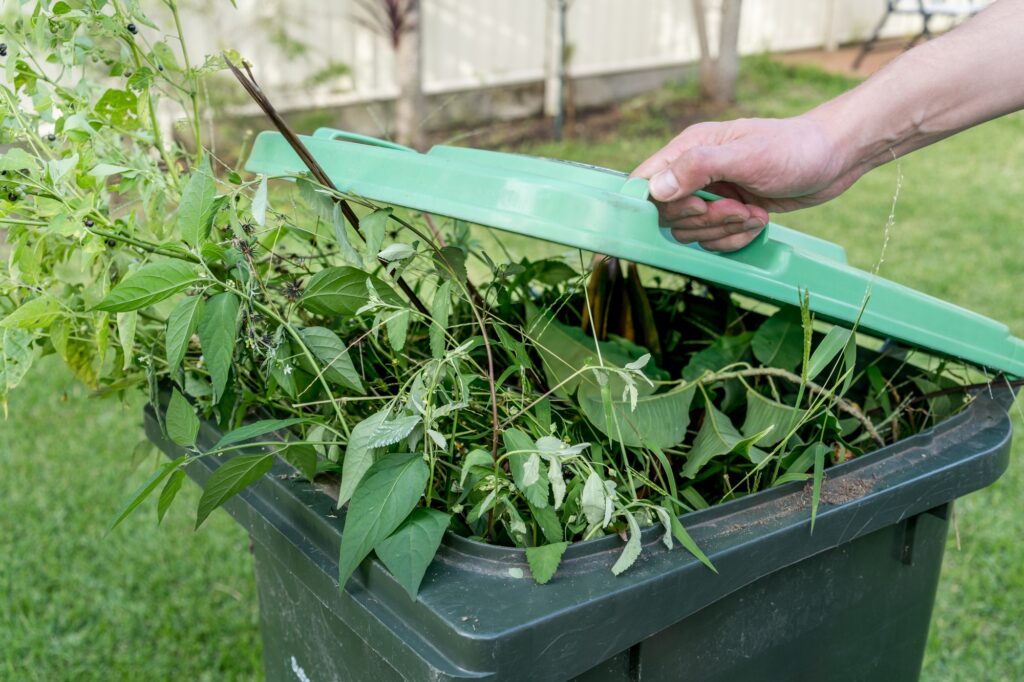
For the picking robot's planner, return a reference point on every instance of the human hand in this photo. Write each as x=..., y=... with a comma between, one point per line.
x=757, y=165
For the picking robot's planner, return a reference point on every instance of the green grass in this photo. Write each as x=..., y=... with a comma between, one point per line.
x=145, y=602
x=166, y=603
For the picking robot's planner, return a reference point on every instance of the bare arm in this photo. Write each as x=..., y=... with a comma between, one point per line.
x=970, y=75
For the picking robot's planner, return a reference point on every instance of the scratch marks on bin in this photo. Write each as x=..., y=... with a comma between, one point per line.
x=300, y=674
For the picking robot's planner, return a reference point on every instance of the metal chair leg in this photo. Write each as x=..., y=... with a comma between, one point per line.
x=870, y=42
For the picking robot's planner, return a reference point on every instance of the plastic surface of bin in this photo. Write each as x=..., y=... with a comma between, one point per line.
x=604, y=211
x=849, y=602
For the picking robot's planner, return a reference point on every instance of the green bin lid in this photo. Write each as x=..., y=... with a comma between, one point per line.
x=608, y=212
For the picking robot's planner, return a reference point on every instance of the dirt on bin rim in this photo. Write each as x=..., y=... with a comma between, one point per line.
x=833, y=492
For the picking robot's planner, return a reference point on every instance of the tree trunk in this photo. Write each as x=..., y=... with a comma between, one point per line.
x=707, y=67
x=410, y=105
x=727, y=65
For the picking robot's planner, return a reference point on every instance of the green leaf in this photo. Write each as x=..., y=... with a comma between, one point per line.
x=398, y=328
x=15, y=159
x=37, y=313
x=345, y=248
x=594, y=501
x=660, y=419
x=475, y=458
x=725, y=351
x=164, y=56
x=374, y=227
x=218, y=331
x=302, y=456
x=168, y=494
x=149, y=284
x=259, y=203
x=15, y=358
x=198, y=203
x=521, y=448
x=227, y=481
x=544, y=560
x=143, y=491
x=451, y=262
x=367, y=436
x=834, y=342
x=765, y=415
x=258, y=428
x=818, y=450
x=331, y=351
x=126, y=323
x=440, y=308
x=104, y=170
x=409, y=550
x=717, y=436
x=381, y=502
x=181, y=325
x=119, y=107
x=632, y=549
x=547, y=521
x=342, y=291
x=688, y=544
x=564, y=350
x=181, y=421
x=779, y=341
x=396, y=252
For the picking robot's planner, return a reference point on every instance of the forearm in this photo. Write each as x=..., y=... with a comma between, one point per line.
x=966, y=77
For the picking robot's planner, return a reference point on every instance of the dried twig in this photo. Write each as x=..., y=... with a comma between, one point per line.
x=248, y=82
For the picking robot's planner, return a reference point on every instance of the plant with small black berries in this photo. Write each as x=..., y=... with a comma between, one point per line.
x=538, y=400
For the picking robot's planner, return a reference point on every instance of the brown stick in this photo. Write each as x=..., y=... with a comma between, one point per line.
x=248, y=82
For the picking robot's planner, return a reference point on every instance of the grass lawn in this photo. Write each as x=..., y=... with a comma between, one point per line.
x=166, y=603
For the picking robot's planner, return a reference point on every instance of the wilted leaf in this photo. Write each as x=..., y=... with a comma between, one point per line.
x=632, y=549
x=592, y=501
x=521, y=447
x=660, y=419
x=259, y=203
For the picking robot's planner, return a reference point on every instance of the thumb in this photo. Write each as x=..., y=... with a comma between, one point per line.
x=695, y=168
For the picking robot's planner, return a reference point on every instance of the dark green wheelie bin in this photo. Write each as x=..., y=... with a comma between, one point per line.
x=850, y=601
